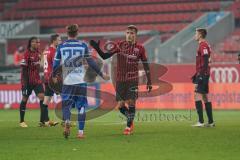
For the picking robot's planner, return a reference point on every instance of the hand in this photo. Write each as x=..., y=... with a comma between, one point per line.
x=54, y=80
x=95, y=44
x=106, y=77
x=57, y=93
x=193, y=78
x=149, y=86
x=200, y=77
x=197, y=78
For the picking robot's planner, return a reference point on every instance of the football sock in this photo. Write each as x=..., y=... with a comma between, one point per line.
x=80, y=131
x=199, y=108
x=42, y=114
x=131, y=115
x=81, y=118
x=46, y=117
x=124, y=110
x=208, y=107
x=22, y=110
x=66, y=111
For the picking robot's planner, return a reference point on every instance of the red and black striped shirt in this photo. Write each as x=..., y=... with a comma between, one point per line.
x=30, y=68
x=203, y=49
x=48, y=56
x=128, y=56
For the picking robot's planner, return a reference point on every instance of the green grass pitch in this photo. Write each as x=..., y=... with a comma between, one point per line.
x=160, y=135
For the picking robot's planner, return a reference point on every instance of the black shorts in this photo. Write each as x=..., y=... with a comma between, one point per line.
x=126, y=90
x=48, y=91
x=27, y=91
x=202, y=85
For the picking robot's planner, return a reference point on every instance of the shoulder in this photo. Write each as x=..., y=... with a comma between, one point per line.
x=83, y=43
x=121, y=42
x=74, y=43
x=25, y=58
x=46, y=51
x=204, y=44
x=52, y=50
x=204, y=48
x=140, y=47
x=26, y=54
x=61, y=45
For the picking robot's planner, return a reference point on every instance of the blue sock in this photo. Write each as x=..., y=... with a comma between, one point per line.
x=62, y=114
x=66, y=112
x=81, y=118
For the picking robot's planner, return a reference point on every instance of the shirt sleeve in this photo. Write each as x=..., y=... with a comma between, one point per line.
x=204, y=49
x=51, y=56
x=24, y=61
x=143, y=54
x=58, y=54
x=57, y=58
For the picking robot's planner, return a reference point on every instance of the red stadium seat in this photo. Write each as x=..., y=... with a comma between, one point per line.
x=167, y=16
x=140, y=9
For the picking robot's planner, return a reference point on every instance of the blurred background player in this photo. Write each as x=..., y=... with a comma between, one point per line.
x=18, y=55
x=201, y=79
x=30, y=78
x=48, y=57
x=71, y=54
x=129, y=52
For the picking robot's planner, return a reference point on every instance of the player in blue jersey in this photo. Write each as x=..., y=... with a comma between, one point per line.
x=72, y=54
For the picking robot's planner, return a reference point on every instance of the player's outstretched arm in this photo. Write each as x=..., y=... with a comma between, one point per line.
x=147, y=71
x=95, y=67
x=56, y=64
x=96, y=46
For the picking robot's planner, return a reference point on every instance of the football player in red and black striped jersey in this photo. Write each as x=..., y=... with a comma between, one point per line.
x=30, y=78
x=201, y=78
x=48, y=57
x=128, y=53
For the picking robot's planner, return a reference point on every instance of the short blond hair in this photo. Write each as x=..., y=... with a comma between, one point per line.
x=202, y=31
x=72, y=30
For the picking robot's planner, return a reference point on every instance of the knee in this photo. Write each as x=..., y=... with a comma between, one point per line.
x=120, y=104
x=41, y=96
x=205, y=99
x=131, y=102
x=46, y=100
x=81, y=110
x=24, y=99
x=197, y=97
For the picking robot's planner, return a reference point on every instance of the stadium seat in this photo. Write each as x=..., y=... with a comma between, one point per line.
x=166, y=16
x=98, y=15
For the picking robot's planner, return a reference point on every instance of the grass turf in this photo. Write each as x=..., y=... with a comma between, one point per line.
x=158, y=135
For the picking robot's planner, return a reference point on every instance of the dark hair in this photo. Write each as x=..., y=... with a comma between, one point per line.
x=72, y=30
x=202, y=31
x=53, y=37
x=30, y=41
x=133, y=27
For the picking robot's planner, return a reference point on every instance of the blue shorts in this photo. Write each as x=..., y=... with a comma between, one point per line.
x=74, y=95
